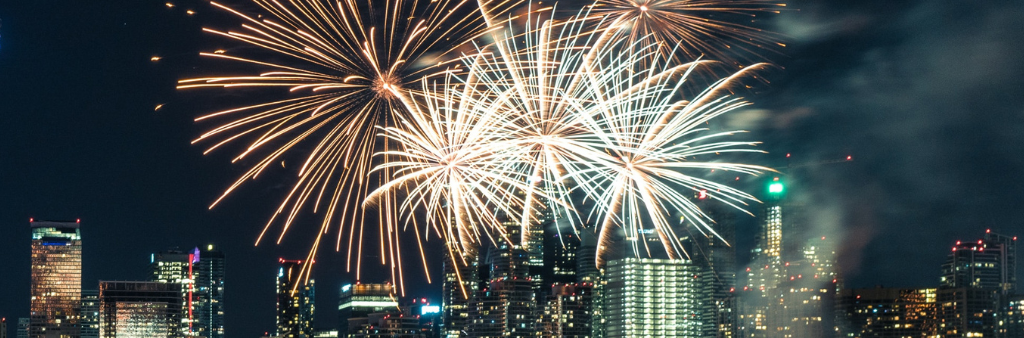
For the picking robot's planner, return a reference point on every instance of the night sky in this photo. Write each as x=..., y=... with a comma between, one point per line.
x=927, y=96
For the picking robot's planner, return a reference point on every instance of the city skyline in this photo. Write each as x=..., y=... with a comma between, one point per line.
x=82, y=141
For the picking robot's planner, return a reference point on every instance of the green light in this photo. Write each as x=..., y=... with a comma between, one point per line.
x=775, y=188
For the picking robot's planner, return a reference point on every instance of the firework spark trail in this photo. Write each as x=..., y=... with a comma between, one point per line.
x=557, y=114
x=686, y=30
x=348, y=66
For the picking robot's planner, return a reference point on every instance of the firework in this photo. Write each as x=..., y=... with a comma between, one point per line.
x=689, y=29
x=348, y=67
x=544, y=113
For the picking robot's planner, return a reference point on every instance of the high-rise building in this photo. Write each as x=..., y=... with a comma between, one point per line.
x=210, y=285
x=649, y=297
x=588, y=273
x=888, y=313
x=714, y=252
x=181, y=268
x=360, y=300
x=23, y=324
x=567, y=313
x=90, y=322
x=3, y=327
x=460, y=285
x=968, y=312
x=986, y=263
x=56, y=280
x=560, y=257
x=295, y=301
x=140, y=310
x=1014, y=325
x=507, y=306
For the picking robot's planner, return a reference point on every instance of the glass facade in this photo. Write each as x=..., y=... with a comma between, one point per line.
x=90, y=314
x=358, y=301
x=888, y=313
x=648, y=297
x=140, y=310
x=295, y=301
x=458, y=288
x=56, y=288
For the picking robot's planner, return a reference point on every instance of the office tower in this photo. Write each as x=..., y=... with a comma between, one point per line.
x=986, y=263
x=326, y=334
x=560, y=257
x=649, y=297
x=359, y=301
x=56, y=279
x=181, y=268
x=3, y=327
x=295, y=301
x=23, y=325
x=888, y=313
x=140, y=310
x=715, y=254
x=210, y=285
x=507, y=306
x=1015, y=317
x=429, y=315
x=567, y=313
x=588, y=273
x=968, y=312
x=90, y=322
x=460, y=285
x=390, y=325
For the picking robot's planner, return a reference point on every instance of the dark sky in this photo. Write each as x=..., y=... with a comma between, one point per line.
x=928, y=96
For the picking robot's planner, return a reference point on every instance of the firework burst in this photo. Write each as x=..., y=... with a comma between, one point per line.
x=348, y=66
x=544, y=113
x=686, y=30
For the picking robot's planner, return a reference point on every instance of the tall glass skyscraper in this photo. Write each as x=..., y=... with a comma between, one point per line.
x=295, y=301
x=210, y=284
x=650, y=297
x=178, y=267
x=90, y=322
x=56, y=280
x=461, y=281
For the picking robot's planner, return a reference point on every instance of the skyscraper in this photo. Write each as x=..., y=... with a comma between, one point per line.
x=986, y=263
x=56, y=280
x=210, y=285
x=295, y=301
x=649, y=297
x=358, y=301
x=458, y=289
x=23, y=324
x=90, y=314
x=888, y=313
x=3, y=327
x=180, y=268
x=507, y=306
x=715, y=254
x=140, y=310
x=567, y=313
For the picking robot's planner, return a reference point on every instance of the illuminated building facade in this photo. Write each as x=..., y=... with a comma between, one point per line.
x=90, y=322
x=888, y=313
x=1014, y=314
x=560, y=257
x=968, y=312
x=714, y=253
x=295, y=301
x=649, y=297
x=507, y=306
x=181, y=268
x=567, y=313
x=140, y=310
x=457, y=291
x=986, y=263
x=210, y=285
x=588, y=273
x=56, y=288
x=358, y=301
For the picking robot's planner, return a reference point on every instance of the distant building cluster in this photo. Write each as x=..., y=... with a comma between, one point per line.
x=551, y=286
x=184, y=296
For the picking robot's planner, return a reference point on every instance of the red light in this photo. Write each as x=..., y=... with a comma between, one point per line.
x=703, y=194
x=31, y=219
x=78, y=220
x=849, y=158
x=776, y=179
x=1015, y=238
x=988, y=231
x=787, y=155
x=737, y=178
x=823, y=238
x=979, y=241
x=424, y=300
x=957, y=242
